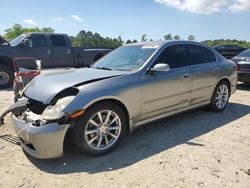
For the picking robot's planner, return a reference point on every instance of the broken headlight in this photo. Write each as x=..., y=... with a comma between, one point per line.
x=55, y=112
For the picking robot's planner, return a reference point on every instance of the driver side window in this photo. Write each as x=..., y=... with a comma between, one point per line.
x=37, y=41
x=174, y=56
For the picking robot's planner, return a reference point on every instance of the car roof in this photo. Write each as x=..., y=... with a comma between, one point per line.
x=44, y=33
x=164, y=42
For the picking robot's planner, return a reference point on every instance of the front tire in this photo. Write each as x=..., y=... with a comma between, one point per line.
x=100, y=129
x=6, y=76
x=220, y=97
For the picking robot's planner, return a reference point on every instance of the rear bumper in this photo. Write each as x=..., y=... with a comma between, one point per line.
x=244, y=76
x=41, y=142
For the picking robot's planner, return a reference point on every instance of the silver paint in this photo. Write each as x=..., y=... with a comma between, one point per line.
x=146, y=96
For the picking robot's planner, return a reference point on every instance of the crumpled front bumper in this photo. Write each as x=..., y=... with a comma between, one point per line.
x=41, y=142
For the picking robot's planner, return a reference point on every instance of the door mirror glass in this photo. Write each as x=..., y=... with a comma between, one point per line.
x=161, y=67
x=27, y=43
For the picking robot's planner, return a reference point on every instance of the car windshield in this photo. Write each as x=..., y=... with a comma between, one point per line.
x=245, y=53
x=16, y=40
x=126, y=58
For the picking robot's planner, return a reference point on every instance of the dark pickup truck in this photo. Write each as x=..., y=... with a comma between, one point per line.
x=54, y=50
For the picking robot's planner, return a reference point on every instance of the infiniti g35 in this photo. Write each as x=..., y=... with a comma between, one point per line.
x=133, y=85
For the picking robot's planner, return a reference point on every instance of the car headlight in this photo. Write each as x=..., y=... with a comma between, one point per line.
x=55, y=112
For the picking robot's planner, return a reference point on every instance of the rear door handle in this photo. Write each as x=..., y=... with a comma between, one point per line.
x=217, y=69
x=68, y=51
x=48, y=51
x=185, y=76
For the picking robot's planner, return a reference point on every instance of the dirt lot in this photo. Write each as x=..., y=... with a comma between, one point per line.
x=195, y=149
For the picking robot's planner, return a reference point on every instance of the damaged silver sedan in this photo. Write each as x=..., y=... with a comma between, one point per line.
x=131, y=86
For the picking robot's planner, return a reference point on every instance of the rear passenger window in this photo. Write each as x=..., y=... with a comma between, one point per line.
x=58, y=41
x=199, y=55
x=174, y=56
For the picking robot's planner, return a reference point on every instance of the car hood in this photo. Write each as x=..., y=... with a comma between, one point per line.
x=237, y=59
x=44, y=87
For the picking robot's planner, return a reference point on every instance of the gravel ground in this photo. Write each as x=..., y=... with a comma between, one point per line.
x=195, y=149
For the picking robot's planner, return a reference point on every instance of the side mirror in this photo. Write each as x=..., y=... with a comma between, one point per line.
x=27, y=43
x=161, y=67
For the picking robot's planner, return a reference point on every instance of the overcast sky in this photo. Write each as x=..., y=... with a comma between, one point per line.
x=206, y=19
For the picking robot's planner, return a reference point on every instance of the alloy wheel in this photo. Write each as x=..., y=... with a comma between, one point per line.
x=103, y=130
x=222, y=96
x=4, y=77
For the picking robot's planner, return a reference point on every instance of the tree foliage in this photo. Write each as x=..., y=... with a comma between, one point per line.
x=242, y=43
x=143, y=38
x=89, y=39
x=17, y=30
x=177, y=37
x=191, y=37
x=168, y=36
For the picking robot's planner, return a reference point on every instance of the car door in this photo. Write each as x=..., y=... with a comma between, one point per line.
x=205, y=72
x=61, y=51
x=38, y=49
x=167, y=91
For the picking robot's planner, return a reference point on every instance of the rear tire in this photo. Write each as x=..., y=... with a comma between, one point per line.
x=100, y=129
x=6, y=76
x=220, y=97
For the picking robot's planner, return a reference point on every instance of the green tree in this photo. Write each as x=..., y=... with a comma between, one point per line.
x=17, y=30
x=47, y=30
x=191, y=37
x=177, y=37
x=143, y=38
x=135, y=41
x=168, y=36
x=120, y=40
x=129, y=42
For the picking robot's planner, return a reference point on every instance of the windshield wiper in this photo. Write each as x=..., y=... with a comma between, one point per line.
x=103, y=68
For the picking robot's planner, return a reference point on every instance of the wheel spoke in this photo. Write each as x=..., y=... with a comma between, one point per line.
x=114, y=136
x=100, y=117
x=113, y=128
x=91, y=121
x=99, y=142
x=222, y=89
x=112, y=121
x=91, y=131
x=93, y=139
x=106, y=140
x=107, y=117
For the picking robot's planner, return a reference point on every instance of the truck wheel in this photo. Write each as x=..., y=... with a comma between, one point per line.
x=100, y=129
x=6, y=76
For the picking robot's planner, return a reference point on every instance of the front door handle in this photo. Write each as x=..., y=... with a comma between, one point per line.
x=48, y=51
x=185, y=76
x=68, y=51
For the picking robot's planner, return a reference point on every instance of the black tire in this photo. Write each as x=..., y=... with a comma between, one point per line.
x=213, y=106
x=6, y=76
x=78, y=132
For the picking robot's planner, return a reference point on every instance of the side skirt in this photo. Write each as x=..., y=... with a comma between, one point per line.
x=134, y=125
